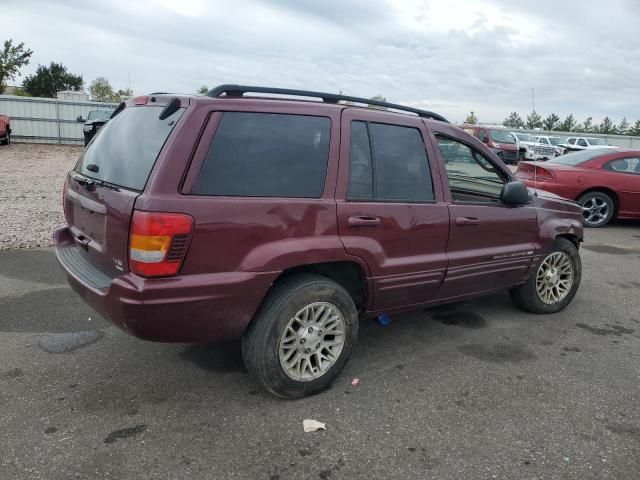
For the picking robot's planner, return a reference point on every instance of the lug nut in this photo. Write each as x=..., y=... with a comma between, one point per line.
x=307, y=350
x=318, y=346
x=310, y=329
x=319, y=332
x=302, y=340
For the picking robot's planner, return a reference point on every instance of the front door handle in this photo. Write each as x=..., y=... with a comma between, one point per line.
x=364, y=221
x=464, y=221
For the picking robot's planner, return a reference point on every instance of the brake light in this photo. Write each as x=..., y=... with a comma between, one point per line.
x=543, y=174
x=158, y=242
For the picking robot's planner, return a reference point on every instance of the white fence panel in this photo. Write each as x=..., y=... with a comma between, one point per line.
x=47, y=120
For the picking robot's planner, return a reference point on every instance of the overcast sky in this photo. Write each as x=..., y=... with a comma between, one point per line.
x=447, y=56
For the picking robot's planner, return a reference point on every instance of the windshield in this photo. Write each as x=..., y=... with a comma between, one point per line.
x=125, y=149
x=99, y=115
x=523, y=137
x=596, y=141
x=501, y=136
x=578, y=157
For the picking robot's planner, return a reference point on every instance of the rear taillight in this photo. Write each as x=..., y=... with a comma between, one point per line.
x=158, y=242
x=543, y=174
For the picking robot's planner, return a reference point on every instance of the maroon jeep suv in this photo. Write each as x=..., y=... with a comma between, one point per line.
x=281, y=221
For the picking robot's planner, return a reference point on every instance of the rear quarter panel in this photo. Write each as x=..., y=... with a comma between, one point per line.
x=257, y=234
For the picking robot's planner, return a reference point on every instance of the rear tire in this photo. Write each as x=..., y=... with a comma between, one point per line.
x=554, y=283
x=597, y=208
x=7, y=139
x=301, y=337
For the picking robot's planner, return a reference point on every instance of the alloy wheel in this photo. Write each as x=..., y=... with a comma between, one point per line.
x=554, y=278
x=595, y=210
x=312, y=341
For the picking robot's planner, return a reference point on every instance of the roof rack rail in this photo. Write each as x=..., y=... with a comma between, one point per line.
x=240, y=90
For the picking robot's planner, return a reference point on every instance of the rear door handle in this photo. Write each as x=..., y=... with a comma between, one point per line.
x=364, y=221
x=464, y=221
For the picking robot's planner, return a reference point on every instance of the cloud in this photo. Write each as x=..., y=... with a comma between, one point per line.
x=451, y=57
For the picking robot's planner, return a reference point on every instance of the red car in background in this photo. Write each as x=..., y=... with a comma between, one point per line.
x=5, y=130
x=605, y=182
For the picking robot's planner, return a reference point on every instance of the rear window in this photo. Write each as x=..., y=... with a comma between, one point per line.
x=125, y=149
x=577, y=158
x=267, y=155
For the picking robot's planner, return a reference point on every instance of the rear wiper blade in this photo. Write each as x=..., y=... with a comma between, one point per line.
x=108, y=185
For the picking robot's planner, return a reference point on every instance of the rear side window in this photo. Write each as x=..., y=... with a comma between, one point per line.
x=125, y=149
x=388, y=163
x=267, y=155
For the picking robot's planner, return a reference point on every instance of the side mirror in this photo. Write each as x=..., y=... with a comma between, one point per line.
x=514, y=193
x=485, y=140
x=80, y=119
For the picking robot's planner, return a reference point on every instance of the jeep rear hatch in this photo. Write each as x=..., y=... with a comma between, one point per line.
x=111, y=173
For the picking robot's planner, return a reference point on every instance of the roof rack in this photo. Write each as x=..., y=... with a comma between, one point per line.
x=240, y=90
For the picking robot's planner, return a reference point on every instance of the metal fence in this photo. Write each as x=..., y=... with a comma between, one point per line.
x=47, y=120
x=622, y=141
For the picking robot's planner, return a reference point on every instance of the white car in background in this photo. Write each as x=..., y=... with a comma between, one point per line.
x=555, y=142
x=585, y=143
x=531, y=149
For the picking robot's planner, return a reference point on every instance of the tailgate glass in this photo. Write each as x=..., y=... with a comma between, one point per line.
x=127, y=146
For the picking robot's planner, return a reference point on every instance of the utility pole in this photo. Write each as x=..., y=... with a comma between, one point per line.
x=533, y=99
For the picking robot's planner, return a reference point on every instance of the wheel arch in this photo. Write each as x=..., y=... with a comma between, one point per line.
x=608, y=191
x=350, y=275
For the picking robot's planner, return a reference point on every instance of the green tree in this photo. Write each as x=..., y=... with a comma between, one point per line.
x=551, y=122
x=623, y=127
x=586, y=127
x=635, y=130
x=47, y=81
x=471, y=118
x=379, y=98
x=101, y=90
x=513, y=121
x=606, y=126
x=534, y=120
x=121, y=95
x=202, y=90
x=12, y=58
x=569, y=124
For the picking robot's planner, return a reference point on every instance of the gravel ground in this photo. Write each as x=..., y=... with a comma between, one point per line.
x=31, y=179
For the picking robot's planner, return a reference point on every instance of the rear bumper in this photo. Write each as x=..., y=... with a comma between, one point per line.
x=188, y=308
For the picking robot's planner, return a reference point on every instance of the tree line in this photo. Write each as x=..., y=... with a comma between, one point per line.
x=553, y=122
x=50, y=79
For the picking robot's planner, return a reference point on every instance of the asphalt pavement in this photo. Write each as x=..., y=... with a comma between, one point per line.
x=469, y=391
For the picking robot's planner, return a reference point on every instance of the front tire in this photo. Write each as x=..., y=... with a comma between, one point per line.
x=301, y=337
x=555, y=282
x=597, y=208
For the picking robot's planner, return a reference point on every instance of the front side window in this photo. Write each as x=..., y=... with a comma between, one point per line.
x=472, y=177
x=571, y=141
x=582, y=142
x=483, y=136
x=388, y=163
x=267, y=155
